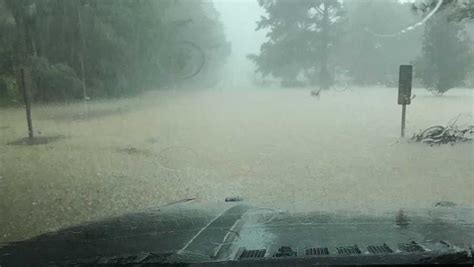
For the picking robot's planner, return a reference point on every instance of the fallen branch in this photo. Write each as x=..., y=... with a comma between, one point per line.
x=445, y=134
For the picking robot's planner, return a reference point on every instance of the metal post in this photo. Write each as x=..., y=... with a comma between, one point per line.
x=404, y=91
x=404, y=111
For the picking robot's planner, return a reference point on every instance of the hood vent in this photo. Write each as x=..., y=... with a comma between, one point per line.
x=317, y=251
x=285, y=251
x=348, y=250
x=144, y=257
x=383, y=249
x=410, y=247
x=252, y=254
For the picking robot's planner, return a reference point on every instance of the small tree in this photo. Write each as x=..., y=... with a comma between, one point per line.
x=446, y=57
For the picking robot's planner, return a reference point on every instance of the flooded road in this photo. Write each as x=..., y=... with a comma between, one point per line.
x=278, y=148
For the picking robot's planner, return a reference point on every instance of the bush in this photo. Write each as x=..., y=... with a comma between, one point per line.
x=9, y=94
x=3, y=89
x=54, y=82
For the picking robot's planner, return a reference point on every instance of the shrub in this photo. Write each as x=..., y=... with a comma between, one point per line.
x=54, y=82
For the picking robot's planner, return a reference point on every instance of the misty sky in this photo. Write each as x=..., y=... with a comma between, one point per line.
x=240, y=19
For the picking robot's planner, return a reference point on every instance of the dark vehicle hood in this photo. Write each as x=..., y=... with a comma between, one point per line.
x=237, y=233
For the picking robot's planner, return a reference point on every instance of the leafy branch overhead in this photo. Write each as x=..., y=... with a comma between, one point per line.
x=458, y=10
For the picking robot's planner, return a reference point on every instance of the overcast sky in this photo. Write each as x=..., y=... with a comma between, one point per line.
x=240, y=20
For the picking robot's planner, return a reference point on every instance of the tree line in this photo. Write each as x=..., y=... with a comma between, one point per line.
x=322, y=42
x=106, y=48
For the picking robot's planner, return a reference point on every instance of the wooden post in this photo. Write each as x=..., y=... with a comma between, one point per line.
x=24, y=82
x=404, y=91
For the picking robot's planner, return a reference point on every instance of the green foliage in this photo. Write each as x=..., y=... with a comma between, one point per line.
x=301, y=36
x=457, y=10
x=123, y=46
x=369, y=57
x=7, y=30
x=9, y=94
x=54, y=82
x=361, y=41
x=447, y=56
x=3, y=89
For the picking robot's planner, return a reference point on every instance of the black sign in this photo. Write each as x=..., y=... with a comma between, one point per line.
x=404, y=84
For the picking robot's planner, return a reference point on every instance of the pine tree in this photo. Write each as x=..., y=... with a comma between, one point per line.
x=300, y=41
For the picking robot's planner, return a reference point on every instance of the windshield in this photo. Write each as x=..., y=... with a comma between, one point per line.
x=109, y=107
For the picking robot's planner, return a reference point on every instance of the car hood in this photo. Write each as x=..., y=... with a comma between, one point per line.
x=194, y=232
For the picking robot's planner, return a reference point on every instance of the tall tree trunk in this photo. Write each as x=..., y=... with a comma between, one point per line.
x=17, y=8
x=81, y=53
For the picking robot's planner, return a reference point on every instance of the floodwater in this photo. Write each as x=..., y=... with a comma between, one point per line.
x=272, y=147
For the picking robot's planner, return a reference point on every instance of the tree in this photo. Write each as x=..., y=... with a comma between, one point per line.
x=7, y=37
x=369, y=51
x=301, y=38
x=458, y=10
x=446, y=57
x=7, y=29
x=327, y=13
x=114, y=47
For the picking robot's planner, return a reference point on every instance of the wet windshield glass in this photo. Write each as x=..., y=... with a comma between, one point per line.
x=115, y=106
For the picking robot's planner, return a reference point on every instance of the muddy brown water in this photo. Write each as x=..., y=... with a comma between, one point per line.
x=274, y=148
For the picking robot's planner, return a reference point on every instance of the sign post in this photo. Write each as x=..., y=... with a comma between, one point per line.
x=404, y=91
x=24, y=84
